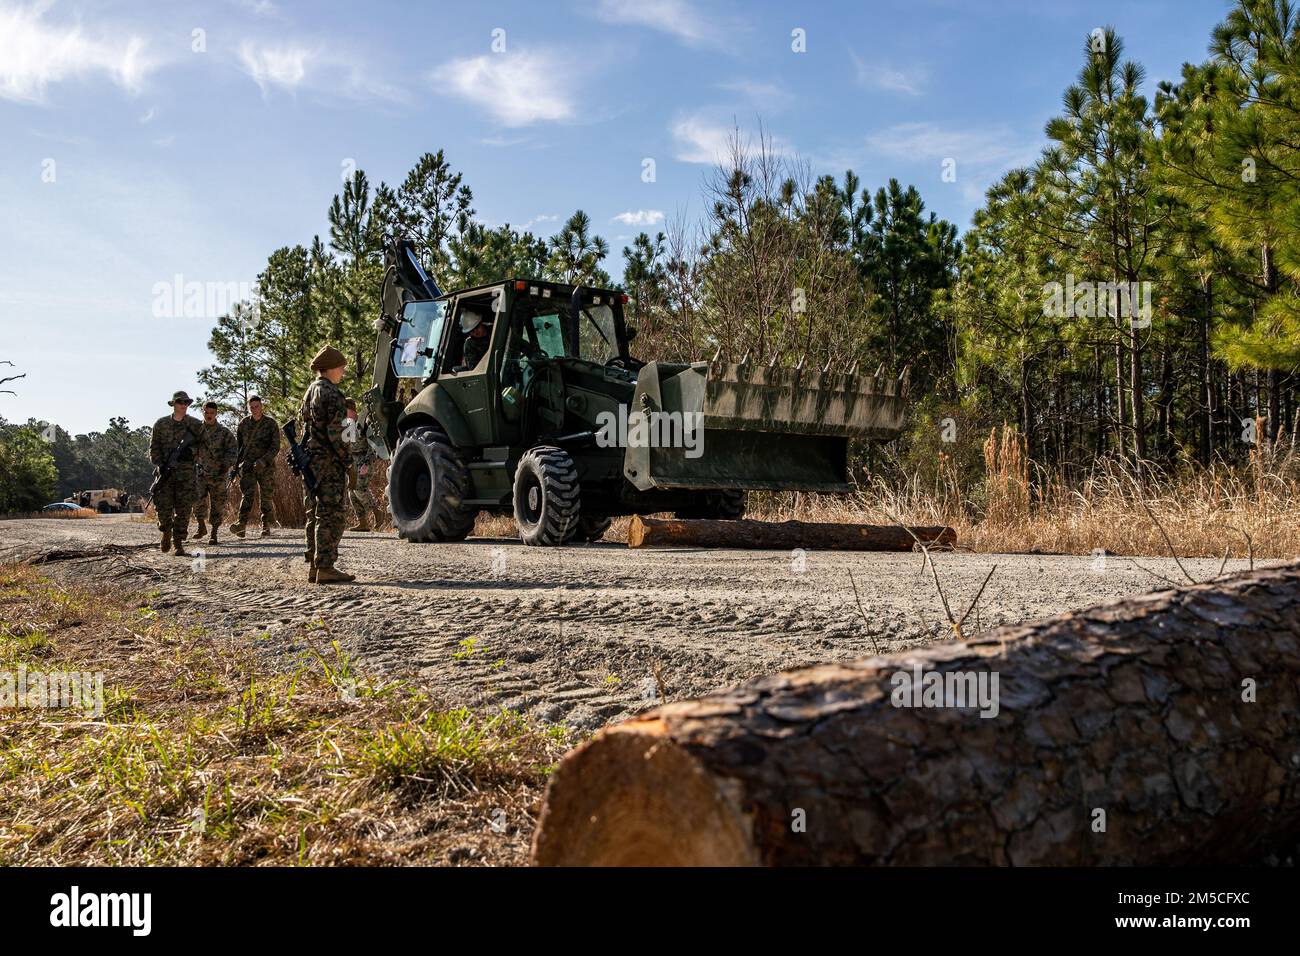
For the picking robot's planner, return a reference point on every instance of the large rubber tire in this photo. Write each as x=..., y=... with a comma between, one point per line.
x=589, y=529
x=427, y=484
x=718, y=506
x=546, y=496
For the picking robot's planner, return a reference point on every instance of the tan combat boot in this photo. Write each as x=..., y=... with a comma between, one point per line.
x=266, y=530
x=201, y=530
x=311, y=574
x=362, y=523
x=166, y=542
x=333, y=576
x=180, y=548
x=212, y=538
x=380, y=517
x=237, y=529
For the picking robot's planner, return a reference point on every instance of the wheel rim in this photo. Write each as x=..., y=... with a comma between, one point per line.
x=529, y=500
x=412, y=488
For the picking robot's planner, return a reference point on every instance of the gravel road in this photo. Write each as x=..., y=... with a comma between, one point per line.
x=577, y=634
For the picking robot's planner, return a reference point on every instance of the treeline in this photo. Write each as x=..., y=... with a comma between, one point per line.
x=1134, y=292
x=1131, y=294
x=40, y=463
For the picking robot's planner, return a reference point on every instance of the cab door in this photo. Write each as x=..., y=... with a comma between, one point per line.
x=472, y=391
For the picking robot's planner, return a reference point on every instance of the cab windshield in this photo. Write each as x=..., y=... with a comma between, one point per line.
x=418, y=338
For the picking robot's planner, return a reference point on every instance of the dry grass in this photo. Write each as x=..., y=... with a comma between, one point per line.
x=1020, y=508
x=1204, y=510
x=203, y=757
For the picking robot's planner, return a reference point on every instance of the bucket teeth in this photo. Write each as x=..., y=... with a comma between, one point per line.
x=827, y=367
x=853, y=370
x=745, y=360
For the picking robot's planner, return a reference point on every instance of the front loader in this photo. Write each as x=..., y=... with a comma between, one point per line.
x=547, y=416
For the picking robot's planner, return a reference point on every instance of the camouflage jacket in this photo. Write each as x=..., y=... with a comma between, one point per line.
x=258, y=441
x=219, y=450
x=168, y=433
x=324, y=414
x=359, y=449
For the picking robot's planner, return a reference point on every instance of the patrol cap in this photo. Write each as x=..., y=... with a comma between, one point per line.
x=211, y=404
x=254, y=398
x=180, y=398
x=327, y=358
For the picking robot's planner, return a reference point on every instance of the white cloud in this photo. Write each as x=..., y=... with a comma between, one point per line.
x=260, y=8
x=295, y=65
x=675, y=17
x=517, y=89
x=268, y=66
x=760, y=94
x=640, y=217
x=990, y=146
x=700, y=139
x=884, y=76
x=35, y=53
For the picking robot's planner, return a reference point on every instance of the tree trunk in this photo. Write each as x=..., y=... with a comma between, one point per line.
x=1156, y=730
x=781, y=536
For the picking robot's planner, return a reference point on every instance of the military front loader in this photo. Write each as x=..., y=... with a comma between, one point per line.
x=522, y=397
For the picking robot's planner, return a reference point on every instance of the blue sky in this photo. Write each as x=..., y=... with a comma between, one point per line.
x=134, y=149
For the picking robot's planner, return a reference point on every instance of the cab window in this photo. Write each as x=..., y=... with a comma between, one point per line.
x=417, y=339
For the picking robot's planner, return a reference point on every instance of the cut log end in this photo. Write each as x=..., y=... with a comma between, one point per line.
x=635, y=798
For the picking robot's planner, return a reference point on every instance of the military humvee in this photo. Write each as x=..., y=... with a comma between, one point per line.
x=557, y=423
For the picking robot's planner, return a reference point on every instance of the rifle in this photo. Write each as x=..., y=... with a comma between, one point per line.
x=299, y=458
x=166, y=468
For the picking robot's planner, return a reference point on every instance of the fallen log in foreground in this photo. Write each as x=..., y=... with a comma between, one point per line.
x=781, y=535
x=1162, y=729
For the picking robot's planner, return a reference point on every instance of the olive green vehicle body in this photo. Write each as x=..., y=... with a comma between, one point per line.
x=763, y=428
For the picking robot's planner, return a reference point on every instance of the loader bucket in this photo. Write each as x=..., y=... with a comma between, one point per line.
x=756, y=427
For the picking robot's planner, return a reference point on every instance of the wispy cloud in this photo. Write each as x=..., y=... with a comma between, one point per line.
x=986, y=146
x=675, y=17
x=36, y=53
x=516, y=89
x=293, y=65
x=884, y=76
x=760, y=94
x=702, y=139
x=640, y=217
x=284, y=67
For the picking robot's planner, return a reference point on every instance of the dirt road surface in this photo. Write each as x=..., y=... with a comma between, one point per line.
x=576, y=635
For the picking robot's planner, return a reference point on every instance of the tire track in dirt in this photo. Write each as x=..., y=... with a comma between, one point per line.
x=575, y=634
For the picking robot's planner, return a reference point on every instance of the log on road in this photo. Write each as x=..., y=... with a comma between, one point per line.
x=782, y=535
x=1162, y=729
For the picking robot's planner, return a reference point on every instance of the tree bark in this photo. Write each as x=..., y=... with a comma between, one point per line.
x=1156, y=730
x=784, y=535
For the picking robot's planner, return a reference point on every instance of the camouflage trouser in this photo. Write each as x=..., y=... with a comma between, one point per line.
x=326, y=511
x=173, y=500
x=264, y=482
x=213, y=492
x=363, y=502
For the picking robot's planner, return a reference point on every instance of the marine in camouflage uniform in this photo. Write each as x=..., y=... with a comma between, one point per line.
x=363, y=502
x=259, y=443
x=174, y=497
x=215, y=461
x=322, y=414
